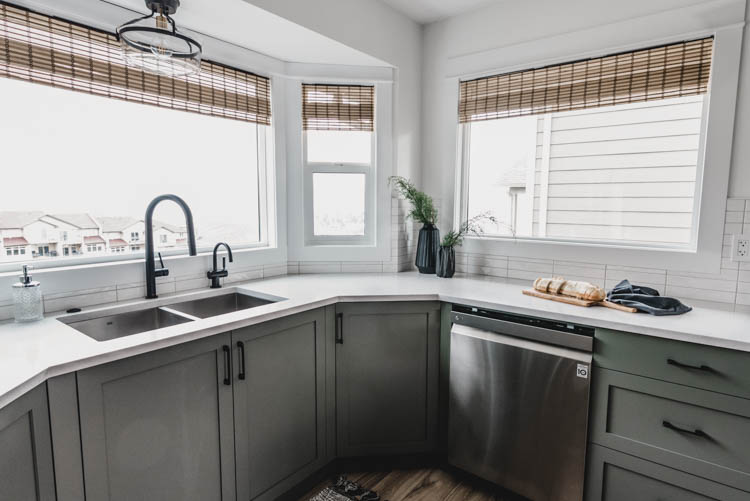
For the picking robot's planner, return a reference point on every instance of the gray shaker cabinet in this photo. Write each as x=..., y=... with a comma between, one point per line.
x=26, y=472
x=279, y=403
x=387, y=377
x=159, y=425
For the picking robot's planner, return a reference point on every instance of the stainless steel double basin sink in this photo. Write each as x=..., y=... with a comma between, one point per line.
x=103, y=325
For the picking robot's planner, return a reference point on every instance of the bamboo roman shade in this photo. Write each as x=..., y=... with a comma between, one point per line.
x=50, y=51
x=675, y=70
x=338, y=107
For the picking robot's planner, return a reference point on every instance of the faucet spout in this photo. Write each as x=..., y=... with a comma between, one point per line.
x=151, y=271
x=216, y=273
x=216, y=250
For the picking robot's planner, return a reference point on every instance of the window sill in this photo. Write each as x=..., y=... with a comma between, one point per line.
x=708, y=260
x=103, y=262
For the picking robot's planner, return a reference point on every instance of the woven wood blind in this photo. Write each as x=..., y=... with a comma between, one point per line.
x=338, y=107
x=676, y=70
x=50, y=51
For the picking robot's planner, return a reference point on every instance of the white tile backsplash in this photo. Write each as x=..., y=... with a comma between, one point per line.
x=730, y=286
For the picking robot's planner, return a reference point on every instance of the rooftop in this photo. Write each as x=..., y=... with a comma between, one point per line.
x=18, y=219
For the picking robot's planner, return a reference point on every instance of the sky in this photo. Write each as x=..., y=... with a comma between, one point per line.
x=67, y=151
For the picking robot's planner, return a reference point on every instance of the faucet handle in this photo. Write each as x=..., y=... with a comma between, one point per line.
x=223, y=263
x=161, y=271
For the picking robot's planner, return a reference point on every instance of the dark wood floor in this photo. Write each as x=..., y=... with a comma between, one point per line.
x=418, y=485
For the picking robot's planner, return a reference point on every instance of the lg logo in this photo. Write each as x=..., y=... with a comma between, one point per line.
x=582, y=371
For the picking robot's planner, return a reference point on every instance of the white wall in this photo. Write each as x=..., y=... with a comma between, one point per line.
x=374, y=28
x=529, y=33
x=739, y=182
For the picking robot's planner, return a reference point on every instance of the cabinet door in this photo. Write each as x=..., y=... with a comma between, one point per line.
x=614, y=476
x=26, y=449
x=159, y=425
x=387, y=377
x=279, y=392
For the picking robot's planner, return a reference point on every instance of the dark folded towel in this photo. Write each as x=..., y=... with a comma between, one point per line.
x=645, y=299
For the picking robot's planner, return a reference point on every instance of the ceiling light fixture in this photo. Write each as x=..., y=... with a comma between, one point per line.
x=153, y=43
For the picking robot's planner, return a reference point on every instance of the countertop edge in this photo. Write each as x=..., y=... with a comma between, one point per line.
x=294, y=306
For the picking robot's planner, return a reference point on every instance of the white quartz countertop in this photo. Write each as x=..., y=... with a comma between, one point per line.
x=32, y=353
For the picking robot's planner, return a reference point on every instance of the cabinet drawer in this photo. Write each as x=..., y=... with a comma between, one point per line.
x=714, y=369
x=699, y=432
x=614, y=476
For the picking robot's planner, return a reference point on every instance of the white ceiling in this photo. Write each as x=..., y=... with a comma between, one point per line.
x=427, y=11
x=250, y=27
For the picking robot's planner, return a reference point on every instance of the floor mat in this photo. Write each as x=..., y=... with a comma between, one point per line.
x=345, y=490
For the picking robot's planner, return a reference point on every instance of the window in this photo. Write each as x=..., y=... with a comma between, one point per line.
x=100, y=168
x=339, y=152
x=601, y=150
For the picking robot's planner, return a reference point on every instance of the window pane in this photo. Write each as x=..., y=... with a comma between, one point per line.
x=102, y=162
x=327, y=146
x=619, y=173
x=338, y=204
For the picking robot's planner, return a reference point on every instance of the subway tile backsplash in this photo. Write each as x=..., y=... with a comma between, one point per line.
x=730, y=286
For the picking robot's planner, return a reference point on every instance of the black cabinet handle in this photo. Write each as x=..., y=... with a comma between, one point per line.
x=697, y=433
x=227, y=363
x=704, y=368
x=339, y=328
x=241, y=347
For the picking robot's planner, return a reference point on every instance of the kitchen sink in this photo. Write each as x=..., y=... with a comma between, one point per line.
x=126, y=324
x=219, y=305
x=106, y=324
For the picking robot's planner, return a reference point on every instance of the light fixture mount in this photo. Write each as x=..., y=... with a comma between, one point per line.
x=153, y=43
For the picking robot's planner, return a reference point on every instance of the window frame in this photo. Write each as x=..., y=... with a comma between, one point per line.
x=267, y=172
x=370, y=172
x=464, y=169
x=715, y=156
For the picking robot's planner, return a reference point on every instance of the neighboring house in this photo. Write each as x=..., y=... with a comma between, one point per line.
x=130, y=233
x=169, y=235
x=35, y=234
x=14, y=244
x=125, y=232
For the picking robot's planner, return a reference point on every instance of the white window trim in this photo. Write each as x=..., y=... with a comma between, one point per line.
x=369, y=170
x=716, y=150
x=267, y=232
x=301, y=244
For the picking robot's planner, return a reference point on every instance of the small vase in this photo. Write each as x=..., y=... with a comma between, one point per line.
x=427, y=248
x=446, y=262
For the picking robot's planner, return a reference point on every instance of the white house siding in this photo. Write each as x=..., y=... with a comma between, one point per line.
x=619, y=174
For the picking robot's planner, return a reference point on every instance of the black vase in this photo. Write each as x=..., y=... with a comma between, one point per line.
x=446, y=262
x=427, y=248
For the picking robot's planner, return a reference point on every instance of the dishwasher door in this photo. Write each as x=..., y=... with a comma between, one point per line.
x=518, y=413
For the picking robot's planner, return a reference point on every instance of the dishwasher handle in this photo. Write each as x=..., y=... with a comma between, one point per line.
x=525, y=344
x=532, y=333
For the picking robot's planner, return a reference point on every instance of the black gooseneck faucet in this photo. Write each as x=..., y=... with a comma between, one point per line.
x=216, y=273
x=151, y=271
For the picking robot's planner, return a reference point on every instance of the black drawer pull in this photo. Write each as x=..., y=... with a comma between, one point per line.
x=703, y=368
x=241, y=347
x=227, y=362
x=340, y=328
x=697, y=433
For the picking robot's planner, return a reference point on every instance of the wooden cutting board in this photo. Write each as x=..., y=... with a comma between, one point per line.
x=578, y=302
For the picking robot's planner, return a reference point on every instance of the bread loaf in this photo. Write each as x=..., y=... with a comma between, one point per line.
x=580, y=290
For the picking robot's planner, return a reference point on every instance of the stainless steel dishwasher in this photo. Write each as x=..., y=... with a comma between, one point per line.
x=518, y=402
